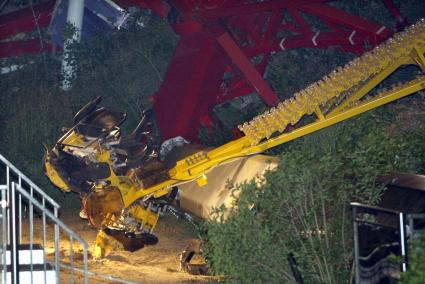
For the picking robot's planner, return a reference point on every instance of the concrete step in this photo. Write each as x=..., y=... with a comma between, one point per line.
x=25, y=254
x=38, y=274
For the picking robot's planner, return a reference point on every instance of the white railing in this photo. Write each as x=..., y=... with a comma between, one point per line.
x=19, y=195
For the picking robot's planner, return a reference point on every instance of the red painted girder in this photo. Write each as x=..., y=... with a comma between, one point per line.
x=316, y=40
x=254, y=78
x=274, y=23
x=248, y=33
x=23, y=47
x=24, y=20
x=340, y=17
x=362, y=31
x=245, y=8
x=190, y=86
x=348, y=41
x=303, y=26
x=395, y=12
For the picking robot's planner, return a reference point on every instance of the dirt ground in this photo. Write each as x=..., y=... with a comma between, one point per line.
x=151, y=264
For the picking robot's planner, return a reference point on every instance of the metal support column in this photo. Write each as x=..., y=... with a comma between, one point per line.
x=3, y=205
x=74, y=18
x=356, y=246
x=13, y=235
x=403, y=246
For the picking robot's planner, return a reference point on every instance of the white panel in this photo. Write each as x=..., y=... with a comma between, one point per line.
x=37, y=277
x=25, y=257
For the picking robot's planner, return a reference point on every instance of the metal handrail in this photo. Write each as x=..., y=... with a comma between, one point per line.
x=17, y=187
x=73, y=235
x=3, y=229
x=30, y=183
x=362, y=208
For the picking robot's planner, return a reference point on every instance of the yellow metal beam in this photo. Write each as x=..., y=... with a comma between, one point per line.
x=367, y=87
x=363, y=73
x=418, y=57
x=242, y=147
x=319, y=113
x=347, y=84
x=398, y=93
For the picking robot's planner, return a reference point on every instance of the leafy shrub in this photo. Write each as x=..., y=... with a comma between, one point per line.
x=303, y=206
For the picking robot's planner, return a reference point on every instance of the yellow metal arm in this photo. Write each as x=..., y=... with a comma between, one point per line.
x=387, y=97
x=242, y=147
x=369, y=85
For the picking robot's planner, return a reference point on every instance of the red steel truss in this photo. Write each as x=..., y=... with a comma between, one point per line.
x=218, y=37
x=23, y=21
x=225, y=37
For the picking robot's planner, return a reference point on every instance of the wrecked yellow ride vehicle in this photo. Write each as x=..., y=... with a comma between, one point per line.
x=93, y=160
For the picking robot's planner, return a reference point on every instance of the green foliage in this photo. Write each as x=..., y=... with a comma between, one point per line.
x=215, y=135
x=289, y=72
x=416, y=271
x=125, y=67
x=303, y=206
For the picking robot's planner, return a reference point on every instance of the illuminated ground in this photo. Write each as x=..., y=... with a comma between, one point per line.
x=153, y=264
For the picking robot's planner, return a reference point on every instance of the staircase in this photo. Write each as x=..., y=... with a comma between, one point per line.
x=41, y=271
x=28, y=220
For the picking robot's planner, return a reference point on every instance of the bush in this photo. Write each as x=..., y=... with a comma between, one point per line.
x=303, y=206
